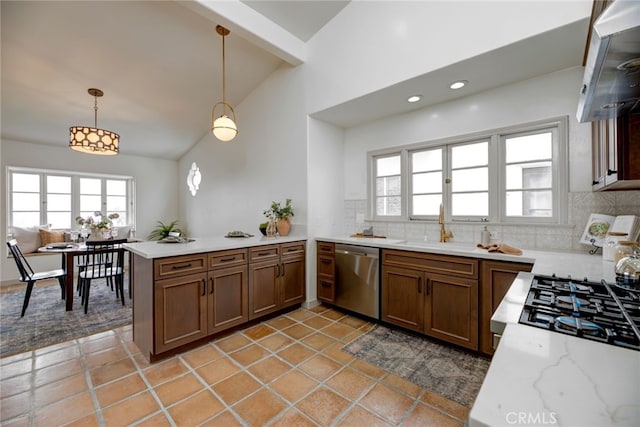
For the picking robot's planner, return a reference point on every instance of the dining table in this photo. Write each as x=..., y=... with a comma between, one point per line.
x=69, y=252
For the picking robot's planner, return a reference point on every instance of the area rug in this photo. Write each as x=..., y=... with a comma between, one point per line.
x=46, y=322
x=446, y=370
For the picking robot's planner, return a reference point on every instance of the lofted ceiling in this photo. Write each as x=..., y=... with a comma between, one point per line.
x=158, y=63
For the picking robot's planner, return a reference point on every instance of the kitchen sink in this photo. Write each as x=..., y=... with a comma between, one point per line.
x=440, y=245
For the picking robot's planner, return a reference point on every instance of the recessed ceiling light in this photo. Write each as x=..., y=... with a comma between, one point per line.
x=414, y=98
x=458, y=84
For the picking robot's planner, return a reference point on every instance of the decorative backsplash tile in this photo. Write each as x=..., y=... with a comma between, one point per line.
x=555, y=237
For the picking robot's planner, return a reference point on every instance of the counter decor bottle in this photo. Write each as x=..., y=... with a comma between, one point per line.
x=485, y=236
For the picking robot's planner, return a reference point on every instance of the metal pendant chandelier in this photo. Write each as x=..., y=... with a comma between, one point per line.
x=91, y=139
x=224, y=127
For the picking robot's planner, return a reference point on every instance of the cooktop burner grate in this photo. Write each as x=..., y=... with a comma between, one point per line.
x=590, y=310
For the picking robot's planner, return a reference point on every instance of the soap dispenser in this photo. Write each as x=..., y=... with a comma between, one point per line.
x=485, y=236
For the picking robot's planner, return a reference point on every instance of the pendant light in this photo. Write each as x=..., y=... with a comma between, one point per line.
x=224, y=127
x=91, y=139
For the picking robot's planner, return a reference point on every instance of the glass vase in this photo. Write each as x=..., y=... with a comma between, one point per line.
x=271, y=228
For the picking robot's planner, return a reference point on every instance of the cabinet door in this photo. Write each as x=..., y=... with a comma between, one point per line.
x=228, y=300
x=292, y=281
x=451, y=312
x=402, y=297
x=263, y=288
x=326, y=290
x=180, y=311
x=495, y=279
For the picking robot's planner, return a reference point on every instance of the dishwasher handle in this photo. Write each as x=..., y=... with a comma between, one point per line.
x=357, y=251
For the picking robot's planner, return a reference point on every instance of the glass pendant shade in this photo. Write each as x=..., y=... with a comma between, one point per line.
x=224, y=129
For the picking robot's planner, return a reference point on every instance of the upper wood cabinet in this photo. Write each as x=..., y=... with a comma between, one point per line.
x=616, y=153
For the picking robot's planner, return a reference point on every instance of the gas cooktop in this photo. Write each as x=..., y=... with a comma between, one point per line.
x=608, y=313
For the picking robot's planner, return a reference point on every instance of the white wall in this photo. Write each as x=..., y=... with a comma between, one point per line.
x=325, y=179
x=265, y=162
x=544, y=97
x=156, y=186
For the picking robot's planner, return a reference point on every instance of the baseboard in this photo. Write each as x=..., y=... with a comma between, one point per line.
x=310, y=304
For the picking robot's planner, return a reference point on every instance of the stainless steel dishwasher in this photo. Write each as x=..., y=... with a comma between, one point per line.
x=357, y=284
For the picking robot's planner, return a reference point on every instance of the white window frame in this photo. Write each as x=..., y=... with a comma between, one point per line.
x=75, y=192
x=497, y=181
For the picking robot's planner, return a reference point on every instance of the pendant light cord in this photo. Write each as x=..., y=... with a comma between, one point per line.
x=224, y=82
x=95, y=111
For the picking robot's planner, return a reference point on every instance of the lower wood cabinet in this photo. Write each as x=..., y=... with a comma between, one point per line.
x=276, y=277
x=495, y=277
x=433, y=294
x=326, y=277
x=180, y=311
x=451, y=298
x=179, y=300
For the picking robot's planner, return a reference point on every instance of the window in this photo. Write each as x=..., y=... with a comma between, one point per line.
x=508, y=175
x=57, y=198
x=388, y=186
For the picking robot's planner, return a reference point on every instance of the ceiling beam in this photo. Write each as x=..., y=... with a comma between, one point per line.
x=253, y=27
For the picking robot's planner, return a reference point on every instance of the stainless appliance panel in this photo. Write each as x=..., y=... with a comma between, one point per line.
x=357, y=279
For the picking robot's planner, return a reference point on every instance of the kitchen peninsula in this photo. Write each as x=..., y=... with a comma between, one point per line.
x=186, y=292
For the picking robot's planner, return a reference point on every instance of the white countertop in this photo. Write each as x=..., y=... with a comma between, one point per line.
x=153, y=249
x=540, y=377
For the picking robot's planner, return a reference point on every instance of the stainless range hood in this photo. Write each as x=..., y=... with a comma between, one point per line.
x=611, y=84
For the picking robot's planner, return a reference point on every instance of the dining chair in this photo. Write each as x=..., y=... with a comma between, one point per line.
x=102, y=260
x=80, y=263
x=28, y=276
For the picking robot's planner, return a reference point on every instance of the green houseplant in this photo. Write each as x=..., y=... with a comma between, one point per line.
x=162, y=230
x=281, y=215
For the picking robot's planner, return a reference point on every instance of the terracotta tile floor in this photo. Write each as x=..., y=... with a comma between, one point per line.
x=287, y=371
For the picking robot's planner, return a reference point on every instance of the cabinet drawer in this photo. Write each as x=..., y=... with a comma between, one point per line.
x=326, y=266
x=292, y=249
x=326, y=290
x=220, y=259
x=326, y=248
x=180, y=265
x=264, y=253
x=446, y=264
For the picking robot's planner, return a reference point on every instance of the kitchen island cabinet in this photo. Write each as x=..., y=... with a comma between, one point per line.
x=182, y=299
x=276, y=278
x=433, y=294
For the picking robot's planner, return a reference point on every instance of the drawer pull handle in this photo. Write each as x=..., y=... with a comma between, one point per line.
x=180, y=267
x=325, y=284
x=211, y=280
x=277, y=270
x=263, y=253
x=204, y=287
x=283, y=269
x=419, y=285
x=227, y=259
x=326, y=261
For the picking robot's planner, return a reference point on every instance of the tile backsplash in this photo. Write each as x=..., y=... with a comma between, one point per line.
x=556, y=237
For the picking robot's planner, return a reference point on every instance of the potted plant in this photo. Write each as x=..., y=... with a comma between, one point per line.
x=98, y=225
x=281, y=215
x=162, y=230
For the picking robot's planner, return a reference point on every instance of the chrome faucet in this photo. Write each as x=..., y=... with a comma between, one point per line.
x=444, y=234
